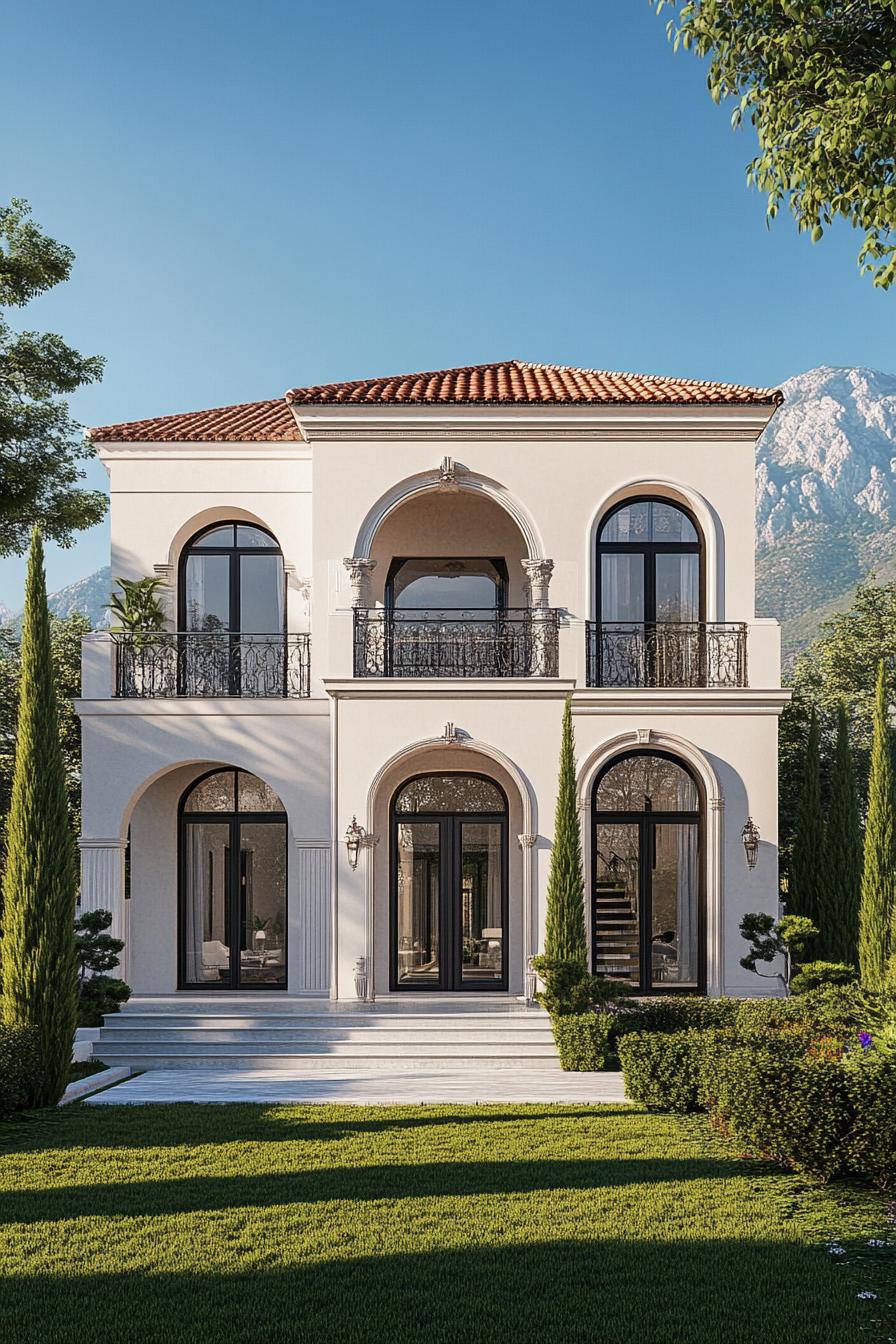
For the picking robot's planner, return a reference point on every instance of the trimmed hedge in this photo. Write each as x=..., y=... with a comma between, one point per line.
x=871, y=1143
x=582, y=1041
x=20, y=1061
x=675, y=1014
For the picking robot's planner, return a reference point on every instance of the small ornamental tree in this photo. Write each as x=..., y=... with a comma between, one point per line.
x=807, y=865
x=565, y=920
x=38, y=953
x=877, y=908
x=97, y=952
x=770, y=938
x=838, y=914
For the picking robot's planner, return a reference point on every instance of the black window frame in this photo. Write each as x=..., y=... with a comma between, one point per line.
x=232, y=817
x=450, y=825
x=646, y=819
x=650, y=550
x=398, y=561
x=235, y=553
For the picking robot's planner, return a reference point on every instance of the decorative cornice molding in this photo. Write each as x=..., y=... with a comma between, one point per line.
x=100, y=842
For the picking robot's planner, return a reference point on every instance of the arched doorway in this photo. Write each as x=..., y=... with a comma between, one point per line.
x=232, y=610
x=449, y=889
x=651, y=598
x=232, y=890
x=647, y=908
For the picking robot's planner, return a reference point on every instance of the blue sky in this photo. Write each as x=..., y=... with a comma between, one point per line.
x=271, y=194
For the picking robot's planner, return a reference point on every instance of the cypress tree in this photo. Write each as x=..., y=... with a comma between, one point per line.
x=565, y=920
x=806, y=872
x=877, y=909
x=38, y=953
x=842, y=878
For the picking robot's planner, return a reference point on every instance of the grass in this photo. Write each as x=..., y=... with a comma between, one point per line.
x=349, y=1225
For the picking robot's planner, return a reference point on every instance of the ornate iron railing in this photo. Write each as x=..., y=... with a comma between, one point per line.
x=187, y=663
x=474, y=643
x=674, y=654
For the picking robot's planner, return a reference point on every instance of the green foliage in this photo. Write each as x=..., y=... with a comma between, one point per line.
x=807, y=868
x=877, y=908
x=675, y=1014
x=582, y=1041
x=570, y=989
x=871, y=1143
x=97, y=952
x=38, y=950
x=770, y=938
x=817, y=81
x=665, y=1070
x=795, y=1111
x=816, y=974
x=41, y=447
x=20, y=1060
x=65, y=643
x=99, y=996
x=136, y=608
x=841, y=869
x=565, y=917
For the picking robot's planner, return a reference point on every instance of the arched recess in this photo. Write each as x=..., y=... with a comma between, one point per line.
x=704, y=515
x=714, y=802
x=436, y=480
x=465, y=754
x=219, y=513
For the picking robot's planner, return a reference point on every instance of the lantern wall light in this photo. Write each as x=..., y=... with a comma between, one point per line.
x=750, y=837
x=355, y=837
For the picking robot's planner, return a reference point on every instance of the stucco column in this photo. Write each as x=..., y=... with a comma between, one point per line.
x=360, y=569
x=312, y=973
x=102, y=884
x=530, y=933
x=539, y=572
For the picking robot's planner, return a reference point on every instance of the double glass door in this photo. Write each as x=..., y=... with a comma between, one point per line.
x=449, y=910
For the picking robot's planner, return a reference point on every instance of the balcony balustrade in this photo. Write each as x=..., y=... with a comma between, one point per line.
x=475, y=643
x=675, y=655
x=202, y=664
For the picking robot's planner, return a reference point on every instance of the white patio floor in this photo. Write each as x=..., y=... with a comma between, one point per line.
x=374, y=1088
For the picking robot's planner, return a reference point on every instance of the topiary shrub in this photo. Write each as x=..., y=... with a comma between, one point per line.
x=871, y=1144
x=582, y=1040
x=820, y=974
x=665, y=1070
x=794, y=1110
x=20, y=1066
x=675, y=1014
x=570, y=989
x=100, y=995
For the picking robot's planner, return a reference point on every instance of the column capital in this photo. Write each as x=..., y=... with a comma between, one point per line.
x=527, y=841
x=360, y=568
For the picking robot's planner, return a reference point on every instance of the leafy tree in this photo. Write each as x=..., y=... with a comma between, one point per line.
x=769, y=938
x=817, y=80
x=877, y=909
x=840, y=667
x=39, y=883
x=841, y=875
x=565, y=917
x=40, y=445
x=806, y=875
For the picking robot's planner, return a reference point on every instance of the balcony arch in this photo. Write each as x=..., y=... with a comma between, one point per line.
x=448, y=478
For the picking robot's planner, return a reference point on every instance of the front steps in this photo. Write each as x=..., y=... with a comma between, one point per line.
x=307, y=1036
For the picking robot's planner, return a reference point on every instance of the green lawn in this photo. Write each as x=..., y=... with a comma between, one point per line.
x=498, y=1223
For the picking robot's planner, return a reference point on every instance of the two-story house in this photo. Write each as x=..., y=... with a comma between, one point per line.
x=335, y=773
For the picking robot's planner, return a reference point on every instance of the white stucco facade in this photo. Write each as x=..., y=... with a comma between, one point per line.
x=522, y=484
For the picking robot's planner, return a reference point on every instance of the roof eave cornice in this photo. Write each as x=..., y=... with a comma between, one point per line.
x=742, y=421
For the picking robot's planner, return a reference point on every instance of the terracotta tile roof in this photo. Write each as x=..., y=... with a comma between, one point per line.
x=513, y=382
x=251, y=422
x=516, y=382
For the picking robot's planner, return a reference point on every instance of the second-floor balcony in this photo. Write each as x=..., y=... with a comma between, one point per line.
x=669, y=654
x=485, y=642
x=211, y=664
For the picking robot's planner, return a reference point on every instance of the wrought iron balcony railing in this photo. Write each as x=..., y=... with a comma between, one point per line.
x=202, y=664
x=673, y=654
x=476, y=643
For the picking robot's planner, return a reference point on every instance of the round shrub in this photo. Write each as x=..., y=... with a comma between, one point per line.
x=819, y=974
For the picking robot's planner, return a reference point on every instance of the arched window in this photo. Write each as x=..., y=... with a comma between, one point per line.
x=232, y=605
x=650, y=598
x=232, y=884
x=449, y=884
x=647, y=904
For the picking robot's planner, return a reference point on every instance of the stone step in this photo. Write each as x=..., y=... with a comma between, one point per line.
x=276, y=1036
x=126, y=1021
x=298, y=1066
x=349, y=1049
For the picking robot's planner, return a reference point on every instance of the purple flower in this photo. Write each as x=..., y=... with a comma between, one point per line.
x=865, y=1040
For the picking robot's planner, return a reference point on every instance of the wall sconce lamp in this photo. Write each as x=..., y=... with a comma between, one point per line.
x=750, y=837
x=355, y=837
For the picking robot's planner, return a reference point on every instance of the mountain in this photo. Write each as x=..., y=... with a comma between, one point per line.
x=86, y=595
x=825, y=496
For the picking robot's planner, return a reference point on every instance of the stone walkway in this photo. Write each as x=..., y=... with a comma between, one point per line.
x=374, y=1088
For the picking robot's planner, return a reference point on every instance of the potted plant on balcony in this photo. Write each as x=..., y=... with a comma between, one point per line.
x=137, y=614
